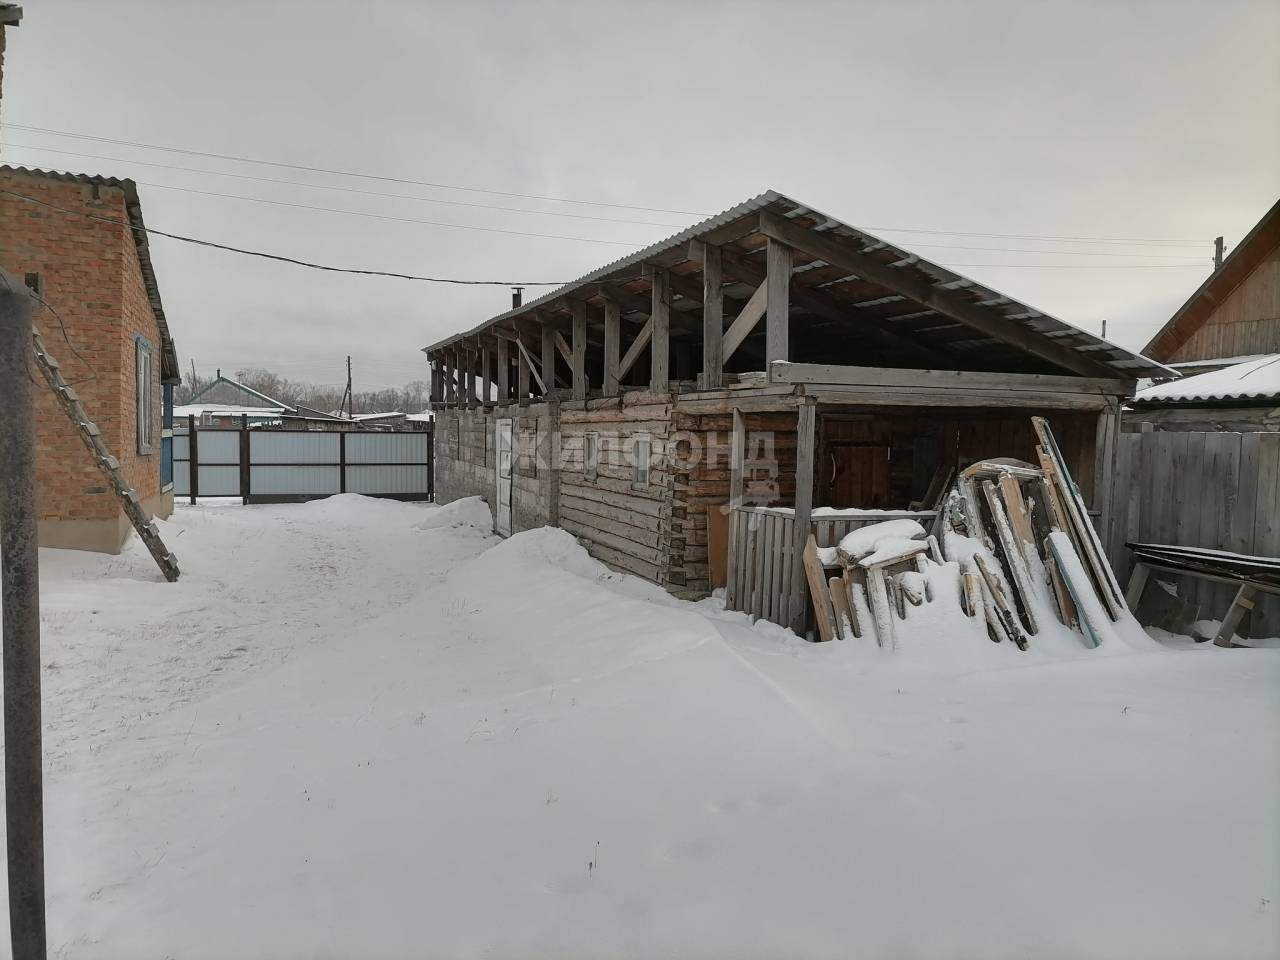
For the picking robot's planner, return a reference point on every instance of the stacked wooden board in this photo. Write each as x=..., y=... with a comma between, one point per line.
x=1022, y=539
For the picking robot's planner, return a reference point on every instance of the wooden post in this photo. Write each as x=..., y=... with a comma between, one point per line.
x=470, y=381
x=342, y=461
x=737, y=454
x=579, y=308
x=446, y=376
x=486, y=372
x=193, y=459
x=244, y=458
x=660, y=337
x=778, y=321
x=1104, y=467
x=548, y=358
x=805, y=424
x=437, y=386
x=522, y=376
x=504, y=371
x=712, y=318
x=612, y=346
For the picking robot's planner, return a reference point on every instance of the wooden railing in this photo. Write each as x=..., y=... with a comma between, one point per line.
x=762, y=555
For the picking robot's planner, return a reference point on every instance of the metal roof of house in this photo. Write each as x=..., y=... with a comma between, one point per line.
x=903, y=315
x=133, y=207
x=1254, y=379
x=271, y=402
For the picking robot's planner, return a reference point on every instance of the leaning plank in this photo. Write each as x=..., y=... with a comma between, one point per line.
x=1007, y=615
x=1095, y=553
x=819, y=590
x=840, y=601
x=878, y=597
x=1074, y=588
x=1013, y=554
x=746, y=320
x=1066, y=607
x=1019, y=518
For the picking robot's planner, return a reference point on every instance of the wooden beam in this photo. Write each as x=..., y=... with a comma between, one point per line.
x=737, y=455
x=712, y=318
x=578, y=361
x=780, y=259
x=530, y=367
x=562, y=345
x=660, y=333
x=746, y=320
x=823, y=305
x=829, y=374
x=486, y=369
x=805, y=437
x=612, y=346
x=504, y=371
x=523, y=367
x=944, y=301
x=633, y=351
x=548, y=359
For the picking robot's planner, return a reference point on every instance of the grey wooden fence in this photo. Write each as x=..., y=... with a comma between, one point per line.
x=762, y=554
x=1200, y=489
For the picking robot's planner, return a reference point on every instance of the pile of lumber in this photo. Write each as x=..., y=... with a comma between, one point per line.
x=1021, y=543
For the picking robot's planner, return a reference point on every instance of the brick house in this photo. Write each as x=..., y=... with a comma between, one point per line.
x=78, y=240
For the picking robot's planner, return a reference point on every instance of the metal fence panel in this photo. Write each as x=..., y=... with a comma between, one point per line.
x=279, y=447
x=218, y=447
x=388, y=478
x=387, y=447
x=292, y=480
x=218, y=481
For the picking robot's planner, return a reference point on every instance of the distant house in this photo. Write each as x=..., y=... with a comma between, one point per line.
x=79, y=241
x=1225, y=340
x=225, y=402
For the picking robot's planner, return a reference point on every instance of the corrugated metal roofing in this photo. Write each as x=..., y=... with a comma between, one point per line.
x=1124, y=362
x=1256, y=379
x=133, y=207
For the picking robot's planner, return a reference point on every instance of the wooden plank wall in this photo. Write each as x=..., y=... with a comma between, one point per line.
x=1200, y=489
x=617, y=523
x=1247, y=322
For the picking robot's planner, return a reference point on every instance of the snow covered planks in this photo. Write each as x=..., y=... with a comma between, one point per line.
x=1094, y=554
x=819, y=591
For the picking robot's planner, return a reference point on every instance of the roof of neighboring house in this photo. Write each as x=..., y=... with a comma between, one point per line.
x=226, y=409
x=1258, y=378
x=390, y=415
x=893, y=293
x=237, y=385
x=1241, y=262
x=133, y=206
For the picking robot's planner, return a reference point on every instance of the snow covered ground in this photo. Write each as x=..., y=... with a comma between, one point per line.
x=363, y=728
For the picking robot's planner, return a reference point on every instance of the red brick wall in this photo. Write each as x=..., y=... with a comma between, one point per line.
x=90, y=276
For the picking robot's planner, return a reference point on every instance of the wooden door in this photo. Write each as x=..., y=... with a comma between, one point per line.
x=857, y=474
x=502, y=502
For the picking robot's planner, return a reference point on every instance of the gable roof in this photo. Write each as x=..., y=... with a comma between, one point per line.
x=1241, y=262
x=881, y=292
x=1254, y=379
x=220, y=380
x=169, y=371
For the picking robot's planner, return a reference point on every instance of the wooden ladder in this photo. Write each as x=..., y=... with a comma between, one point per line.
x=69, y=400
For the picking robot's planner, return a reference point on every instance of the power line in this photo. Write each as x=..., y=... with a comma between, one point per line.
x=329, y=186
x=483, y=206
x=383, y=216
x=526, y=196
x=341, y=173
x=273, y=256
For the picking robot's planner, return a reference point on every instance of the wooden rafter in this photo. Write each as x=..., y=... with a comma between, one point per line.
x=944, y=301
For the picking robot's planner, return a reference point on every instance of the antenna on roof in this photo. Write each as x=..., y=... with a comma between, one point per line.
x=1104, y=328
x=1217, y=254
x=517, y=296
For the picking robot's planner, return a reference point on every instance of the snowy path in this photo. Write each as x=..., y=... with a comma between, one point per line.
x=365, y=728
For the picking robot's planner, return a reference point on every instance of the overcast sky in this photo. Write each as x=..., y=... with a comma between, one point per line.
x=1156, y=121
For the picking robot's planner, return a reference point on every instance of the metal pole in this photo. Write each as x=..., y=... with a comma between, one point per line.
x=20, y=584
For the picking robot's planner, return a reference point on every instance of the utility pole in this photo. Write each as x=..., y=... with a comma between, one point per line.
x=350, y=398
x=20, y=591
x=1217, y=254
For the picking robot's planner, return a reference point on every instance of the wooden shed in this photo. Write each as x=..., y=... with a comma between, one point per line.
x=693, y=411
